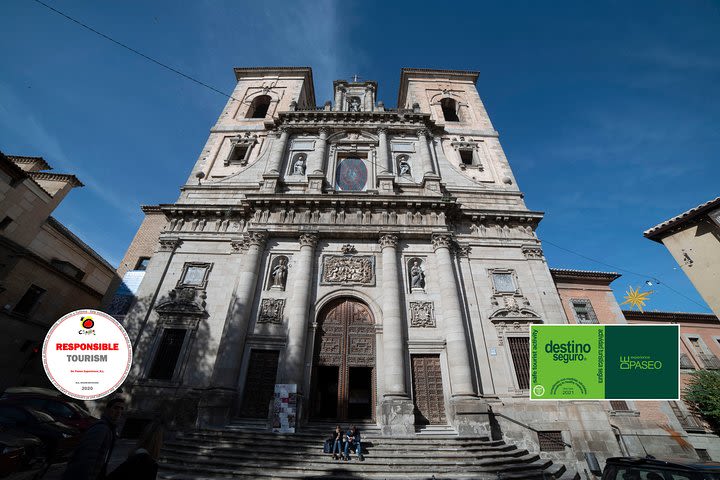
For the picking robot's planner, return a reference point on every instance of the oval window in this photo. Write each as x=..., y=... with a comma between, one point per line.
x=351, y=175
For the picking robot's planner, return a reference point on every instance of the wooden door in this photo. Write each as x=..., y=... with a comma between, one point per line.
x=259, y=384
x=345, y=339
x=428, y=390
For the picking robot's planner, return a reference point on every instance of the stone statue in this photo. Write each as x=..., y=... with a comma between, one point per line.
x=299, y=167
x=279, y=273
x=354, y=105
x=417, y=276
x=404, y=167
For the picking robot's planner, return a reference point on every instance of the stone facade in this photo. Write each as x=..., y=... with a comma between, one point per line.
x=45, y=270
x=381, y=260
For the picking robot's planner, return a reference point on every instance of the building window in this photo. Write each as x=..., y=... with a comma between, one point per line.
x=167, y=355
x=703, y=454
x=550, y=441
x=142, y=263
x=709, y=360
x=520, y=351
x=195, y=275
x=504, y=282
x=5, y=222
x=67, y=268
x=259, y=107
x=238, y=154
x=619, y=406
x=584, y=312
x=466, y=156
x=686, y=363
x=29, y=300
x=449, y=109
x=688, y=420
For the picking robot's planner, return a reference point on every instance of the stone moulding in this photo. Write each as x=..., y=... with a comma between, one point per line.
x=348, y=270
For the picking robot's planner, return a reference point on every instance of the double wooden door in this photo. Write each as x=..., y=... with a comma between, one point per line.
x=428, y=390
x=343, y=377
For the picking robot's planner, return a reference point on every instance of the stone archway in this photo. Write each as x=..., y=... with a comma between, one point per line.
x=343, y=374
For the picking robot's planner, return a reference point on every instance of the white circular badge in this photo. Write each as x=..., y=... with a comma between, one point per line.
x=87, y=354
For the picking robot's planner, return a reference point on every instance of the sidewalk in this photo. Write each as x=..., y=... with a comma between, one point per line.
x=120, y=453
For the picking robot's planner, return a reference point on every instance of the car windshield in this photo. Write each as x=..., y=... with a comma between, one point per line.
x=657, y=473
x=42, y=417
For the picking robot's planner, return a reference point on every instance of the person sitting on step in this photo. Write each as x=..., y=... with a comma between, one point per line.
x=353, y=440
x=337, y=442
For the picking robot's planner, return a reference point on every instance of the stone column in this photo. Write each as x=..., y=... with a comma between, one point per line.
x=277, y=151
x=384, y=158
x=393, y=342
x=397, y=412
x=216, y=404
x=294, y=358
x=425, y=157
x=461, y=383
x=318, y=160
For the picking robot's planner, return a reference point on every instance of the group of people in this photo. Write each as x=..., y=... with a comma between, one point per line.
x=92, y=455
x=343, y=441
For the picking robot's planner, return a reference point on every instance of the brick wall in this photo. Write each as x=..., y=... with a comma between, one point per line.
x=145, y=241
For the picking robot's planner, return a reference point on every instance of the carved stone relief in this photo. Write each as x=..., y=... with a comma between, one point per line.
x=271, y=310
x=422, y=315
x=352, y=270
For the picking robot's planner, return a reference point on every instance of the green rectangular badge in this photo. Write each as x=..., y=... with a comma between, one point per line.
x=604, y=362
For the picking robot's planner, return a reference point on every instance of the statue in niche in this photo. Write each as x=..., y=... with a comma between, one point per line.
x=299, y=165
x=417, y=276
x=279, y=274
x=354, y=104
x=403, y=165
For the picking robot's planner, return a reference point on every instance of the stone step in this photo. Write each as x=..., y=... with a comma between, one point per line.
x=528, y=467
x=411, y=457
x=209, y=434
x=316, y=449
x=288, y=461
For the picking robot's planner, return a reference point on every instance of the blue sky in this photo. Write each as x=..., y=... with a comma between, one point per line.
x=609, y=113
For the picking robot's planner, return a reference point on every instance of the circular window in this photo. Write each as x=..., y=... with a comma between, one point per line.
x=351, y=175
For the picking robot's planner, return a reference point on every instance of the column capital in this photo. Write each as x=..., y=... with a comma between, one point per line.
x=256, y=238
x=282, y=130
x=463, y=250
x=388, y=240
x=169, y=244
x=423, y=132
x=382, y=130
x=323, y=131
x=308, y=239
x=442, y=240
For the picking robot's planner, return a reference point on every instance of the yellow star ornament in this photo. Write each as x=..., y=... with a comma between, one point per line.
x=635, y=298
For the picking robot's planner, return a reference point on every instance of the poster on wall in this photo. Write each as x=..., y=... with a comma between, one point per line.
x=604, y=362
x=284, y=408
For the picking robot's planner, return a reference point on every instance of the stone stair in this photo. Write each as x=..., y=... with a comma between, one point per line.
x=246, y=451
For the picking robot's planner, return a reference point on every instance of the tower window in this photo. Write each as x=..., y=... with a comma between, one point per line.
x=142, y=263
x=259, y=107
x=239, y=153
x=466, y=156
x=449, y=109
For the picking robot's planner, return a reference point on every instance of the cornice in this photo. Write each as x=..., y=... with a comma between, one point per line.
x=63, y=177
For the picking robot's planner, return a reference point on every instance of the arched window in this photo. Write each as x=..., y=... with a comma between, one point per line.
x=449, y=109
x=259, y=107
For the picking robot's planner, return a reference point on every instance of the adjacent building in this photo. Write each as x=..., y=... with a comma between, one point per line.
x=693, y=239
x=46, y=271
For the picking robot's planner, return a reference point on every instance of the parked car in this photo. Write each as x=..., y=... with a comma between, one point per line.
x=22, y=456
x=650, y=468
x=55, y=404
x=59, y=439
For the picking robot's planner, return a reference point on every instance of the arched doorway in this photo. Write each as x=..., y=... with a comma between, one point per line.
x=343, y=375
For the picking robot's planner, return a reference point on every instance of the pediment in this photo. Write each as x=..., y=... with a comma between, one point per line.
x=353, y=137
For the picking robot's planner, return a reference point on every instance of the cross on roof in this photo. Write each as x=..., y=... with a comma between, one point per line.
x=355, y=78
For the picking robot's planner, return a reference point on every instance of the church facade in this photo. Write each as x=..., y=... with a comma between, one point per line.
x=381, y=263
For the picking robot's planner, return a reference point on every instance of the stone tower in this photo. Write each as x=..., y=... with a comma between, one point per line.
x=379, y=264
